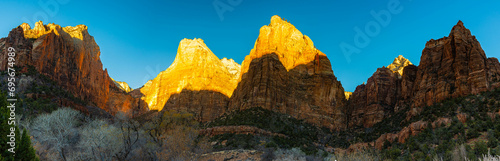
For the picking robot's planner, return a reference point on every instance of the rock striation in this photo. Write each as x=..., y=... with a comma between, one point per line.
x=284, y=72
x=373, y=101
x=196, y=82
x=70, y=57
x=454, y=66
x=449, y=67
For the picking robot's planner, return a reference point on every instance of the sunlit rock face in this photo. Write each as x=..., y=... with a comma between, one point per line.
x=122, y=85
x=282, y=38
x=398, y=64
x=454, y=66
x=286, y=73
x=70, y=57
x=347, y=95
x=195, y=69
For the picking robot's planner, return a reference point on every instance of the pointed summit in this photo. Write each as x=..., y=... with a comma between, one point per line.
x=398, y=64
x=195, y=68
x=283, y=39
x=459, y=30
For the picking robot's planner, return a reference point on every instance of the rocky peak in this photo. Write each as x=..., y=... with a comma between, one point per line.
x=347, y=95
x=40, y=29
x=233, y=67
x=122, y=85
x=459, y=30
x=454, y=66
x=398, y=64
x=284, y=72
x=195, y=68
x=70, y=57
x=282, y=38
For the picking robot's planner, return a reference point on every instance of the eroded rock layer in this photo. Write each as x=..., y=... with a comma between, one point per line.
x=68, y=56
x=286, y=73
x=449, y=67
x=454, y=66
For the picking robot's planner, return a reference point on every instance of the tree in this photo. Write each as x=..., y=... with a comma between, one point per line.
x=4, y=127
x=128, y=134
x=98, y=141
x=57, y=131
x=25, y=150
x=492, y=140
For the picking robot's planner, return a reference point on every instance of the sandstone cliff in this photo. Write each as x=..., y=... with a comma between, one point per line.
x=372, y=102
x=196, y=82
x=286, y=73
x=454, y=66
x=449, y=67
x=68, y=56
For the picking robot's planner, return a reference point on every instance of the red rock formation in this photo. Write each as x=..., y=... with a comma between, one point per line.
x=372, y=102
x=450, y=67
x=454, y=66
x=382, y=94
x=68, y=56
x=286, y=73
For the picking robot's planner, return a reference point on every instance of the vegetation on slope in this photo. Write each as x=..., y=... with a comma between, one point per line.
x=298, y=134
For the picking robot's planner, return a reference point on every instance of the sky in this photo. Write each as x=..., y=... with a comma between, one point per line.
x=138, y=40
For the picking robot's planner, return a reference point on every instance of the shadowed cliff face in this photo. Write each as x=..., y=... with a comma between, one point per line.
x=449, y=67
x=204, y=105
x=454, y=66
x=382, y=94
x=303, y=92
x=284, y=72
x=70, y=57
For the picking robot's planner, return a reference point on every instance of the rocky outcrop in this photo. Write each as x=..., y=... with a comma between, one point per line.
x=454, y=66
x=374, y=101
x=399, y=64
x=196, y=82
x=68, y=56
x=347, y=95
x=449, y=67
x=382, y=94
x=286, y=73
x=122, y=86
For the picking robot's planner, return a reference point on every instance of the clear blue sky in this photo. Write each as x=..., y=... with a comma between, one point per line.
x=140, y=39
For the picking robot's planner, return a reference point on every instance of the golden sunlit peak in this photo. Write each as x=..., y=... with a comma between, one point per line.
x=398, y=64
x=40, y=29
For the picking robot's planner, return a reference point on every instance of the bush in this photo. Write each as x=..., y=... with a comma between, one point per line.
x=392, y=153
x=480, y=148
x=473, y=133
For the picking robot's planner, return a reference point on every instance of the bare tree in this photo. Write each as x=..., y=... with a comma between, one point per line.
x=99, y=141
x=128, y=134
x=57, y=130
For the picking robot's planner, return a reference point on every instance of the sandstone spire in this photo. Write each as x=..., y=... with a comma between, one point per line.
x=284, y=72
x=195, y=69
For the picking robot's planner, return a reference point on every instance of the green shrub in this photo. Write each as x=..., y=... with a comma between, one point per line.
x=480, y=148
x=472, y=133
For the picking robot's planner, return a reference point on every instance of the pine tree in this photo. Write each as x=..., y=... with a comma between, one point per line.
x=25, y=151
x=4, y=127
